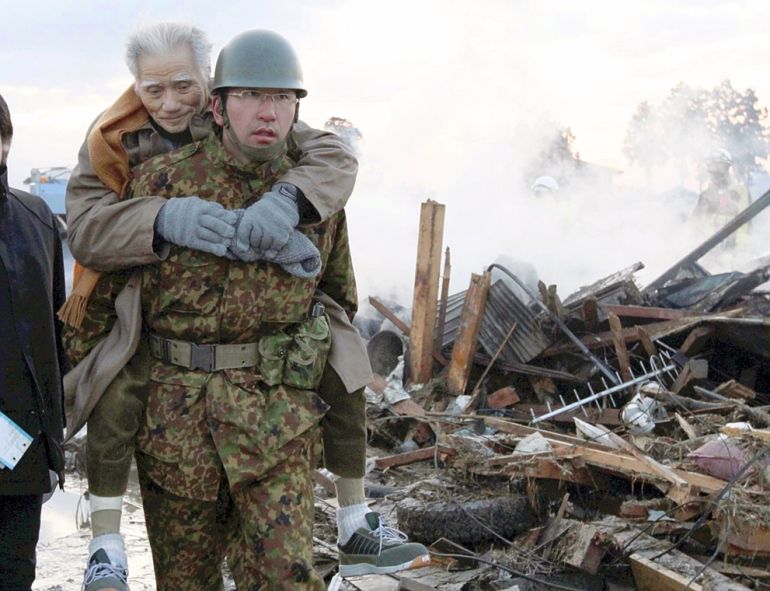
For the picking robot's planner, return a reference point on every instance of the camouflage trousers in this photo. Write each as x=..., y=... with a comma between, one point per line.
x=264, y=529
x=116, y=418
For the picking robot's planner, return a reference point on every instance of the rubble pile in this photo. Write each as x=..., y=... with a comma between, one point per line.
x=618, y=438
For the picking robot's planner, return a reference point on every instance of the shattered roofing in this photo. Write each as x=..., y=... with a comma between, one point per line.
x=502, y=309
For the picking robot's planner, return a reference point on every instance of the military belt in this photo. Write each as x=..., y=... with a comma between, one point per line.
x=204, y=357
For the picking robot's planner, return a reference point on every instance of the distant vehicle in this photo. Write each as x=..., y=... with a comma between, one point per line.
x=51, y=184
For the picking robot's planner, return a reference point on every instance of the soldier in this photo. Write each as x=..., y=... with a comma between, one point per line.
x=375, y=546
x=31, y=361
x=168, y=107
x=723, y=198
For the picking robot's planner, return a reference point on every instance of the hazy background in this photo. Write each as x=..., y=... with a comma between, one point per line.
x=450, y=99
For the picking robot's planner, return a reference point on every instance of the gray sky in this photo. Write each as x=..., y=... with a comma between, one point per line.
x=447, y=94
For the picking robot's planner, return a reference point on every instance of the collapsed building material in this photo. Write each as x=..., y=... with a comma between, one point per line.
x=424, y=308
x=443, y=302
x=502, y=309
x=600, y=288
x=659, y=367
x=729, y=228
x=595, y=360
x=465, y=343
x=711, y=293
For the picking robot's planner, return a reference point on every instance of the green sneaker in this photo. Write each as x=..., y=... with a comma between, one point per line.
x=380, y=550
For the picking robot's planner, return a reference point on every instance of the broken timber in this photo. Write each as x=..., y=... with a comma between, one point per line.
x=426, y=291
x=465, y=344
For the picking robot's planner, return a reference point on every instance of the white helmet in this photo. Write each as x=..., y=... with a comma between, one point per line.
x=545, y=184
x=720, y=156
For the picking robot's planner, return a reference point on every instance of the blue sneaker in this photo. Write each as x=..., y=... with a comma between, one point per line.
x=102, y=575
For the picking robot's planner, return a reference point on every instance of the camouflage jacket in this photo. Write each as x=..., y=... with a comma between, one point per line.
x=198, y=426
x=199, y=168
x=198, y=297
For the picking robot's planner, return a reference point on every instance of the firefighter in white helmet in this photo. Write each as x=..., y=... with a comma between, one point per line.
x=723, y=198
x=545, y=185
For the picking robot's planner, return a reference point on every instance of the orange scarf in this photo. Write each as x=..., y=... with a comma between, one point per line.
x=110, y=162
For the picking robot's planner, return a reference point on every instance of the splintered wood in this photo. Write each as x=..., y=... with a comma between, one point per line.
x=426, y=291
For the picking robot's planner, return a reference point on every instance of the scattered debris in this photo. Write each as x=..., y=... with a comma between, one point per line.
x=613, y=439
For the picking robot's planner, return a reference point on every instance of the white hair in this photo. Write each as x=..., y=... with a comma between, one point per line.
x=164, y=38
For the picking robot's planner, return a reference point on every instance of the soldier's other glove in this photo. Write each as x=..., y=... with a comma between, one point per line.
x=267, y=224
x=193, y=222
x=299, y=257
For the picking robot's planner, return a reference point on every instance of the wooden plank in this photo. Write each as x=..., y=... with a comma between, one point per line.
x=388, y=313
x=654, y=577
x=426, y=291
x=680, y=490
x=524, y=430
x=735, y=390
x=549, y=533
x=503, y=397
x=656, y=330
x=650, y=312
x=443, y=302
x=632, y=541
x=410, y=457
x=374, y=583
x=467, y=335
x=590, y=313
x=682, y=378
x=696, y=340
x=603, y=339
x=409, y=584
x=581, y=546
x=631, y=467
x=644, y=337
x=686, y=426
x=620, y=347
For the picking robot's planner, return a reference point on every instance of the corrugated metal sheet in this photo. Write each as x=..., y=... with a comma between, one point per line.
x=502, y=309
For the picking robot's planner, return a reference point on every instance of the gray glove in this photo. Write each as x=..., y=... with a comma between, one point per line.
x=233, y=252
x=195, y=223
x=299, y=257
x=267, y=224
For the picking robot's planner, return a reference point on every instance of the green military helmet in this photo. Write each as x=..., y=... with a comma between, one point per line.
x=258, y=59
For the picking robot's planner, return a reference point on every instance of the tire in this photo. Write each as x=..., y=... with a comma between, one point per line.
x=427, y=522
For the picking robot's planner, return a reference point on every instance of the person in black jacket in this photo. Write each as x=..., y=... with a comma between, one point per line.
x=31, y=367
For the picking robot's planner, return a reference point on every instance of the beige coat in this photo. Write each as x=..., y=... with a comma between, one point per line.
x=107, y=234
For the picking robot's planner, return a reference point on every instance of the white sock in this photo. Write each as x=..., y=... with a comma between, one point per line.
x=349, y=519
x=105, y=514
x=113, y=545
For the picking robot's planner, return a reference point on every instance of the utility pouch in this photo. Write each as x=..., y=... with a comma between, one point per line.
x=273, y=350
x=307, y=353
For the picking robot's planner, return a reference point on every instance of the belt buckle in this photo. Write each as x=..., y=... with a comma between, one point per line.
x=202, y=357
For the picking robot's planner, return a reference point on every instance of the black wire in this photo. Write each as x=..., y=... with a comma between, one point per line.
x=705, y=515
x=650, y=526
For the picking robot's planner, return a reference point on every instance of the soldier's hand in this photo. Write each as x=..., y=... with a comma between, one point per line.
x=193, y=222
x=267, y=224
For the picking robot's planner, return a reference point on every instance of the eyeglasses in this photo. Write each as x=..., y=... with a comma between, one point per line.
x=257, y=97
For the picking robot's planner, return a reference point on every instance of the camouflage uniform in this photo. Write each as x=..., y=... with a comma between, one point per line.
x=211, y=438
x=114, y=421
